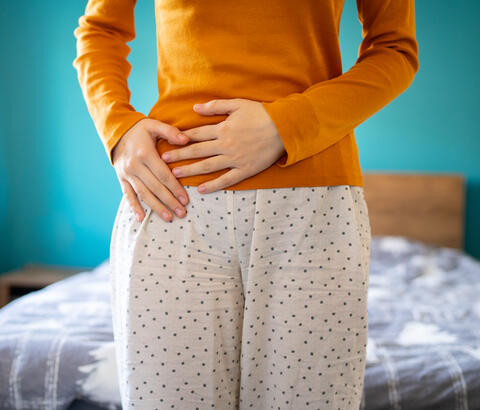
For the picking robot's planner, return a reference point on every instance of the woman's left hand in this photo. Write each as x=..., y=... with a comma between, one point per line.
x=247, y=141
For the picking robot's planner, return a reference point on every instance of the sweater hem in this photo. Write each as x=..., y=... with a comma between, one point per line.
x=250, y=183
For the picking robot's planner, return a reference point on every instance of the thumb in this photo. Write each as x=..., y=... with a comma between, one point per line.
x=173, y=135
x=218, y=106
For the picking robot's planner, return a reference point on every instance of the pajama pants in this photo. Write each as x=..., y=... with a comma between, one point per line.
x=256, y=299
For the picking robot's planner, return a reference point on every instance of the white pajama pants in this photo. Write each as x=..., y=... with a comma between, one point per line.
x=256, y=299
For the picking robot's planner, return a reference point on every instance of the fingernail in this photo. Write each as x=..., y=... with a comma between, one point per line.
x=179, y=211
x=202, y=188
x=166, y=157
x=165, y=215
x=182, y=199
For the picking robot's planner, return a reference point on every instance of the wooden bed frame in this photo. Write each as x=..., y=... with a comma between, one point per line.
x=425, y=207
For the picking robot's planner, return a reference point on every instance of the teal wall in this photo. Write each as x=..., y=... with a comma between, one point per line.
x=59, y=194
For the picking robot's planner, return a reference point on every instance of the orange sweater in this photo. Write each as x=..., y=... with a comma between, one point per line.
x=282, y=53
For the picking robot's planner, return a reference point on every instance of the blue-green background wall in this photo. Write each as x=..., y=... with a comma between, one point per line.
x=59, y=194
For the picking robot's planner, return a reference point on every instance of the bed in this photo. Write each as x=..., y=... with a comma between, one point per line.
x=423, y=352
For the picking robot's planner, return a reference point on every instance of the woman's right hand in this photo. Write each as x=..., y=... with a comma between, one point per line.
x=143, y=173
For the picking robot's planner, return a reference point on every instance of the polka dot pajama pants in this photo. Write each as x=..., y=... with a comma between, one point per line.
x=256, y=299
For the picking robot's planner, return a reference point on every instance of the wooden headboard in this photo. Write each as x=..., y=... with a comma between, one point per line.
x=425, y=207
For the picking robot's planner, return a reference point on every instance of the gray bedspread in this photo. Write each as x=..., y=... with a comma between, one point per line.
x=424, y=333
x=423, y=352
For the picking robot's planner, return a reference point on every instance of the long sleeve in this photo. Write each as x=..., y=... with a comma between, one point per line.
x=103, y=68
x=308, y=122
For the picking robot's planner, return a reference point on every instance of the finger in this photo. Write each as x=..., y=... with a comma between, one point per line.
x=132, y=199
x=199, y=150
x=229, y=178
x=159, y=188
x=149, y=198
x=206, y=166
x=218, y=106
x=161, y=171
x=202, y=133
x=166, y=131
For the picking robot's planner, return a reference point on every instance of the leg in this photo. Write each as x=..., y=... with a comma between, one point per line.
x=177, y=303
x=305, y=279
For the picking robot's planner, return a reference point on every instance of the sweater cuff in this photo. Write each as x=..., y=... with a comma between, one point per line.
x=295, y=120
x=128, y=122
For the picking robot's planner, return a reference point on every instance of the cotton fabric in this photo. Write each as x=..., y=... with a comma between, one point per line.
x=256, y=299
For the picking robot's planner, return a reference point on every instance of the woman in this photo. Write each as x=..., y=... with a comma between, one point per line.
x=254, y=295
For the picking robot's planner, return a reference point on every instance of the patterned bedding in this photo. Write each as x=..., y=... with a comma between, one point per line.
x=56, y=344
